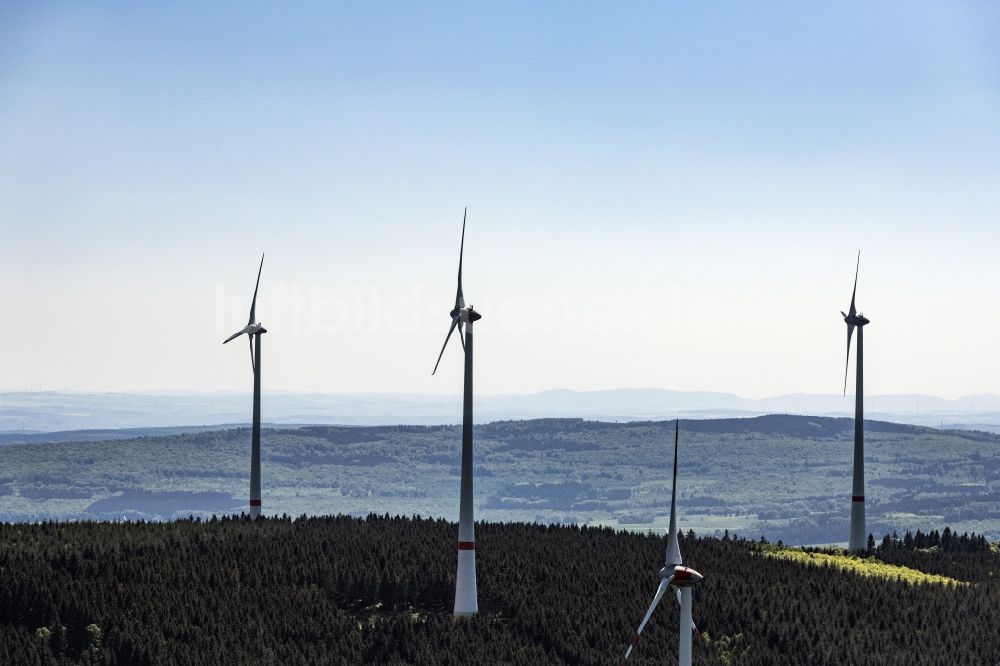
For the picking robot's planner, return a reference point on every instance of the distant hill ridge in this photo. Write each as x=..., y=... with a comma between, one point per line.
x=52, y=411
x=791, y=425
x=784, y=476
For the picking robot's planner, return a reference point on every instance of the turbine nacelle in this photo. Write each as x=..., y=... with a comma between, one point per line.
x=855, y=319
x=686, y=577
x=680, y=576
x=467, y=315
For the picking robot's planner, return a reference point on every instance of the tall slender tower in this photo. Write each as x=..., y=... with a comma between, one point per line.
x=859, y=534
x=686, y=587
x=254, y=330
x=255, y=503
x=466, y=597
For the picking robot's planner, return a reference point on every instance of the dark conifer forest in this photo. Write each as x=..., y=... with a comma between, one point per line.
x=343, y=590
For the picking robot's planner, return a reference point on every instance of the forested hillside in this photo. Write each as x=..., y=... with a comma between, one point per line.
x=343, y=590
x=786, y=477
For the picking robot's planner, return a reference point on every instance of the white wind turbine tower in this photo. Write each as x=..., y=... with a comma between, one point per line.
x=254, y=330
x=466, y=597
x=676, y=575
x=853, y=319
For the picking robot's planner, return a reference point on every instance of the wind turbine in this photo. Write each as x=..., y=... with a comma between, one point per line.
x=854, y=319
x=466, y=598
x=254, y=330
x=676, y=575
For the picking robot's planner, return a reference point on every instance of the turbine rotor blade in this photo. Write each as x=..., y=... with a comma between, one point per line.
x=236, y=334
x=850, y=332
x=694, y=627
x=461, y=335
x=253, y=361
x=849, y=315
x=454, y=323
x=459, y=296
x=673, y=547
x=664, y=584
x=253, y=303
x=854, y=291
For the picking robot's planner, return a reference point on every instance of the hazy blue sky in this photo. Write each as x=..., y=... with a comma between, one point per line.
x=670, y=195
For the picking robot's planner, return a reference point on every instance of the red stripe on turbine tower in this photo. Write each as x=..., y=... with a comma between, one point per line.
x=466, y=545
x=857, y=498
x=254, y=502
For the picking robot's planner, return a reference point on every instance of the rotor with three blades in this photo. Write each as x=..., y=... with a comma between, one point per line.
x=460, y=315
x=853, y=320
x=252, y=326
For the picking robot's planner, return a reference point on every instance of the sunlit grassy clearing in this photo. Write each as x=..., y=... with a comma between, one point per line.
x=861, y=566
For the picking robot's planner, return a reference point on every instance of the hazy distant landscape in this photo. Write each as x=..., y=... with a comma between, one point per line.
x=50, y=411
x=785, y=477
